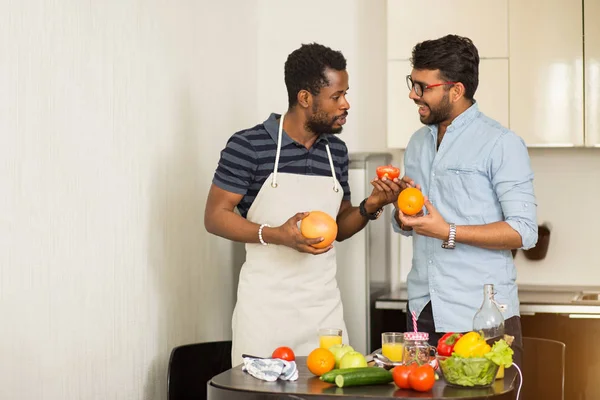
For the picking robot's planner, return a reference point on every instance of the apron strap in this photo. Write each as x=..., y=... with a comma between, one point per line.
x=278, y=153
x=335, y=187
x=274, y=181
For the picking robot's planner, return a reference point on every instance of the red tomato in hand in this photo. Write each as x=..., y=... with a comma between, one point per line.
x=389, y=170
x=401, y=374
x=422, y=378
x=284, y=353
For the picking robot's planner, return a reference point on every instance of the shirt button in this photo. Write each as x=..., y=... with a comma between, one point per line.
x=457, y=172
x=432, y=290
x=433, y=174
x=430, y=261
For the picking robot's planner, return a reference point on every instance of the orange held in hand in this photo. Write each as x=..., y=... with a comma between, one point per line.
x=411, y=201
x=319, y=224
x=320, y=361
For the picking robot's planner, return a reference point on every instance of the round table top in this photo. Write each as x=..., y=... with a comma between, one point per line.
x=237, y=384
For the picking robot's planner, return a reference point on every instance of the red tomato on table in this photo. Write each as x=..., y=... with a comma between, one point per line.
x=389, y=170
x=401, y=374
x=284, y=353
x=422, y=378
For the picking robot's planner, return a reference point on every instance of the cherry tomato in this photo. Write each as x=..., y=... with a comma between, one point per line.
x=422, y=378
x=401, y=375
x=284, y=353
x=389, y=170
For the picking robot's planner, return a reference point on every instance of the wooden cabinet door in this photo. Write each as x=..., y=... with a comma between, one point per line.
x=546, y=71
x=580, y=335
x=592, y=72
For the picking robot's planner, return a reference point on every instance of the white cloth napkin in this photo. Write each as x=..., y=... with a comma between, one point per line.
x=270, y=369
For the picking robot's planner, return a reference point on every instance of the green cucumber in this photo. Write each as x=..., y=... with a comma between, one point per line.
x=368, y=376
x=329, y=377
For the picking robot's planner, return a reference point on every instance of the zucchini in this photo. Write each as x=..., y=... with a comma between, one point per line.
x=367, y=376
x=329, y=377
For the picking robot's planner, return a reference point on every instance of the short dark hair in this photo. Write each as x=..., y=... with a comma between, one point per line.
x=305, y=69
x=455, y=56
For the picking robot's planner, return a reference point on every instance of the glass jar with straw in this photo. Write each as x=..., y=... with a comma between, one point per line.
x=416, y=346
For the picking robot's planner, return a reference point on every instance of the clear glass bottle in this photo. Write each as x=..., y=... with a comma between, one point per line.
x=488, y=320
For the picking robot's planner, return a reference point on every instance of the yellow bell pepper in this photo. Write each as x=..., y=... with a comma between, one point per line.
x=471, y=344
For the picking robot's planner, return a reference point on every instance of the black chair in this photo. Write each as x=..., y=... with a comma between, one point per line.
x=543, y=369
x=191, y=366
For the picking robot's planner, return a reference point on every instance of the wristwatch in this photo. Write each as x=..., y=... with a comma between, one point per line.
x=450, y=243
x=365, y=214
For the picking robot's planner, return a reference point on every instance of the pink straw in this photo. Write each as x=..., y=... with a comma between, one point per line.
x=414, y=316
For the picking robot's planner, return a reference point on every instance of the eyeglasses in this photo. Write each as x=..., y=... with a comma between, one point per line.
x=418, y=87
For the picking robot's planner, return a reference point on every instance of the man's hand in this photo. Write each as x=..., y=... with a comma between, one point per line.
x=407, y=182
x=432, y=224
x=289, y=235
x=385, y=191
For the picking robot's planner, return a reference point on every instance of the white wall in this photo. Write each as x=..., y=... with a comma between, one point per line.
x=112, y=115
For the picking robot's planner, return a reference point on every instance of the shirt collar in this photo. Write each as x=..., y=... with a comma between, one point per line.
x=463, y=119
x=272, y=127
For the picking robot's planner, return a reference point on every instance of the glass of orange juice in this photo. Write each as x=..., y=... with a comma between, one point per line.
x=329, y=336
x=392, y=345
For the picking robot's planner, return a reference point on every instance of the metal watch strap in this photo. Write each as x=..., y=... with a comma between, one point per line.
x=451, y=242
x=364, y=213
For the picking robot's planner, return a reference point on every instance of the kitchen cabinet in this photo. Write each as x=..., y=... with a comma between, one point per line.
x=582, y=365
x=592, y=72
x=546, y=71
x=483, y=21
x=403, y=118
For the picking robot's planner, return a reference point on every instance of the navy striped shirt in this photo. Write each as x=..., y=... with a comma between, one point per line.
x=249, y=157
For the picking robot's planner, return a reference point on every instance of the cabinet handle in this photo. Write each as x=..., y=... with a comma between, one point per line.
x=584, y=316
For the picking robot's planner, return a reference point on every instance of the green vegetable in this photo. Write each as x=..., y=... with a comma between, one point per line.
x=468, y=371
x=329, y=377
x=501, y=354
x=478, y=371
x=366, y=376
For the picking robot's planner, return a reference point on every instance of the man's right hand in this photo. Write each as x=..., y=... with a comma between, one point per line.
x=289, y=235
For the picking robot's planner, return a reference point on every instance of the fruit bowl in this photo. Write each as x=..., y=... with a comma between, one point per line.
x=476, y=372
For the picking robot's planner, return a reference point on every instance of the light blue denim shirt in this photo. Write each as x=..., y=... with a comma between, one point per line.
x=480, y=174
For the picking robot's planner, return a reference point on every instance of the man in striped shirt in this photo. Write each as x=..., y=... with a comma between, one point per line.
x=274, y=173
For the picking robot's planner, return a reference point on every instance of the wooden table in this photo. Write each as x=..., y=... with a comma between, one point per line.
x=235, y=384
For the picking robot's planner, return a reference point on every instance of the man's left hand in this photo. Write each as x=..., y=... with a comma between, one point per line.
x=432, y=224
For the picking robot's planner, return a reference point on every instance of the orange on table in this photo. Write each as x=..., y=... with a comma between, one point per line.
x=411, y=201
x=320, y=361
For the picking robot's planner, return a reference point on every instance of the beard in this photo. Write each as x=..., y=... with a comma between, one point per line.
x=438, y=114
x=320, y=122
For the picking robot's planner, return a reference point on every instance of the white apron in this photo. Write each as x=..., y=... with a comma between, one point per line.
x=284, y=297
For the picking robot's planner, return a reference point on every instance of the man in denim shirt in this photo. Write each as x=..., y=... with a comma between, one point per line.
x=479, y=200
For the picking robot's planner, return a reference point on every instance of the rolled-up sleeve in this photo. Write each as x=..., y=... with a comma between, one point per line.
x=512, y=179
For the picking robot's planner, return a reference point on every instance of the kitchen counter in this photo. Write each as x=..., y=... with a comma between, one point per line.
x=235, y=384
x=533, y=299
